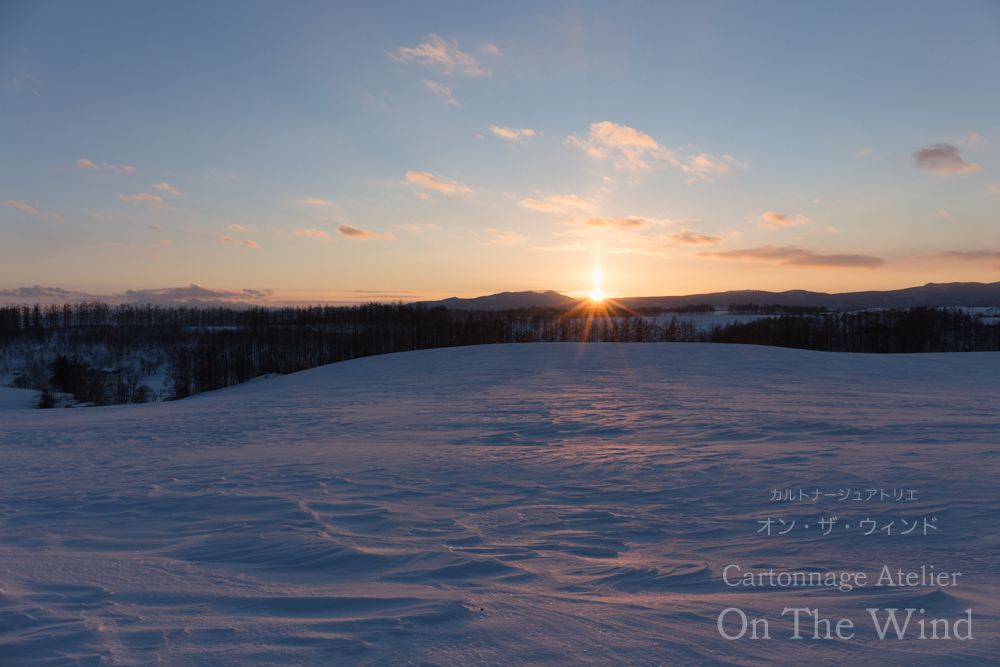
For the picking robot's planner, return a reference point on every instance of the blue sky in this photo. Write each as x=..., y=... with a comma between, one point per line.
x=334, y=152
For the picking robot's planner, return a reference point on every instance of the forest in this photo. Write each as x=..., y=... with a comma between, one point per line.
x=102, y=354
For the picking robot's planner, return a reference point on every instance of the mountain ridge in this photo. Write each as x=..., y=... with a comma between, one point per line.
x=958, y=294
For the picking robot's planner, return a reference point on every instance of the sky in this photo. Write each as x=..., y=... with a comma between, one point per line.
x=348, y=152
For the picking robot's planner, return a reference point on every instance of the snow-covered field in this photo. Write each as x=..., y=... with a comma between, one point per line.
x=501, y=505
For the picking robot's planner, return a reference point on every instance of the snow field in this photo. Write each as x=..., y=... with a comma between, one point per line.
x=552, y=503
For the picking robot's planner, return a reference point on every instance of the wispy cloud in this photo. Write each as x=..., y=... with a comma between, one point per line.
x=312, y=233
x=24, y=83
x=772, y=220
x=942, y=160
x=145, y=198
x=168, y=189
x=42, y=292
x=972, y=141
x=226, y=239
x=121, y=168
x=621, y=223
x=705, y=168
x=356, y=233
x=501, y=237
x=491, y=50
x=216, y=175
x=964, y=255
x=795, y=256
x=155, y=228
x=689, y=237
x=633, y=150
x=559, y=204
x=441, y=53
x=27, y=208
x=236, y=228
x=20, y=206
x=615, y=241
x=164, y=242
x=993, y=189
x=169, y=295
x=868, y=153
x=313, y=201
x=440, y=184
x=596, y=222
x=443, y=93
x=629, y=235
x=421, y=227
x=521, y=136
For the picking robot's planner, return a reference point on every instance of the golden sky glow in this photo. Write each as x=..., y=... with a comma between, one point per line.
x=410, y=155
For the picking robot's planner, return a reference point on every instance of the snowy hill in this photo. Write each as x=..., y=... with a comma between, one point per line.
x=508, y=301
x=509, y=504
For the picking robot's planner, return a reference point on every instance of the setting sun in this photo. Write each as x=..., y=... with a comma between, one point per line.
x=597, y=294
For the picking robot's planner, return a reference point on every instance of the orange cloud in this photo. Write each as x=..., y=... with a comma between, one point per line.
x=774, y=220
x=688, y=237
x=794, y=256
x=628, y=235
x=168, y=189
x=440, y=184
x=355, y=233
x=559, y=204
x=505, y=237
x=443, y=93
x=942, y=160
x=630, y=148
x=21, y=206
x=634, y=150
x=705, y=168
x=317, y=202
x=164, y=242
x=632, y=222
x=620, y=223
x=521, y=136
x=87, y=164
x=226, y=239
x=441, y=53
x=145, y=198
x=312, y=233
x=236, y=228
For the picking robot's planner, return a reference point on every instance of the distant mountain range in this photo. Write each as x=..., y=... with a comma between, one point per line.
x=932, y=294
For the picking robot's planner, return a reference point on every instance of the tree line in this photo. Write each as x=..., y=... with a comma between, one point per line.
x=214, y=348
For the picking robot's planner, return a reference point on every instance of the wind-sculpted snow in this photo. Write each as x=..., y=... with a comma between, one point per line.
x=521, y=504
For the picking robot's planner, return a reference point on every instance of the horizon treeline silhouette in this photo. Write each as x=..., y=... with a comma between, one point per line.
x=212, y=348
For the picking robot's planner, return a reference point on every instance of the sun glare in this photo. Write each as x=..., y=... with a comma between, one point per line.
x=597, y=294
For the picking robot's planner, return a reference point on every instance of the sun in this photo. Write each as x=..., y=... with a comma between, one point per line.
x=597, y=294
